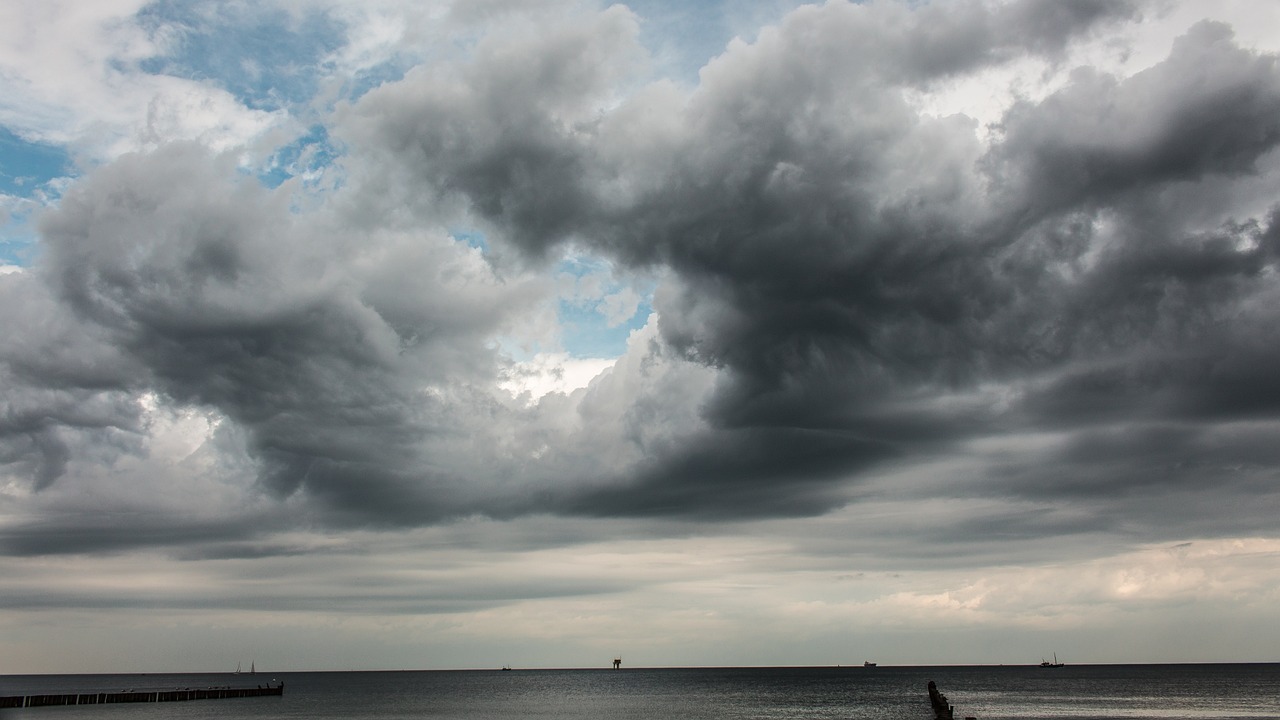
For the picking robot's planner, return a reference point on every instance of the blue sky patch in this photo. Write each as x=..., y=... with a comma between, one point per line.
x=374, y=77
x=473, y=238
x=16, y=250
x=312, y=152
x=268, y=59
x=585, y=334
x=587, y=330
x=682, y=35
x=26, y=166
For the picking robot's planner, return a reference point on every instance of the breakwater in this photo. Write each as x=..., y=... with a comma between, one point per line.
x=139, y=696
x=942, y=708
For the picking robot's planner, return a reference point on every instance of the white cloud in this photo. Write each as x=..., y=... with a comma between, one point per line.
x=71, y=77
x=552, y=372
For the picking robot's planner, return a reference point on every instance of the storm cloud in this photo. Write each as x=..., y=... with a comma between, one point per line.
x=840, y=257
x=833, y=255
x=1060, y=317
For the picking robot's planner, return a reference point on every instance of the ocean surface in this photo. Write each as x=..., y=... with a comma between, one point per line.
x=1079, y=692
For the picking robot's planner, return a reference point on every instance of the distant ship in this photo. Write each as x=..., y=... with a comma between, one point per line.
x=868, y=663
x=1055, y=663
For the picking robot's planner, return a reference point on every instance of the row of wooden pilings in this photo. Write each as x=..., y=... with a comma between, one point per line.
x=131, y=696
x=942, y=709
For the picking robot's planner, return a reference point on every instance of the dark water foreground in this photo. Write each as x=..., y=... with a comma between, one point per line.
x=1078, y=692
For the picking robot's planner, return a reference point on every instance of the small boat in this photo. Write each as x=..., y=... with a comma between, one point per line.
x=252, y=671
x=506, y=667
x=237, y=672
x=1046, y=664
x=868, y=664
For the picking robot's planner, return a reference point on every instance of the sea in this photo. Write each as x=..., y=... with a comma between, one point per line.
x=1078, y=692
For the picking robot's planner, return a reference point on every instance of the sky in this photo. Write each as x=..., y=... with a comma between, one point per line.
x=461, y=334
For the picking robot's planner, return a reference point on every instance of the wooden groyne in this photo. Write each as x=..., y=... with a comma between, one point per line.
x=143, y=696
x=942, y=709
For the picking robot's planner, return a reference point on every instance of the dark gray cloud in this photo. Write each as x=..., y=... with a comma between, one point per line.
x=325, y=349
x=500, y=129
x=388, y=597
x=106, y=532
x=839, y=256
x=1207, y=110
x=735, y=474
x=845, y=281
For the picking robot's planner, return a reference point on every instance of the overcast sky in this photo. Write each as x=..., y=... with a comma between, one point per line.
x=402, y=334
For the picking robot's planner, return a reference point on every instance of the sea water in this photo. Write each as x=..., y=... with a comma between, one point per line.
x=1078, y=692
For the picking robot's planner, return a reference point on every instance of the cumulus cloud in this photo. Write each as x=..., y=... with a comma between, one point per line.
x=73, y=78
x=847, y=283
x=330, y=354
x=838, y=256
x=947, y=326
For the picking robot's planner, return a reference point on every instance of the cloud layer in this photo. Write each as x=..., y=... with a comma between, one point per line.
x=846, y=280
x=1055, y=323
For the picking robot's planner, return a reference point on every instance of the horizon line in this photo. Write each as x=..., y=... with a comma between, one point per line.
x=842, y=666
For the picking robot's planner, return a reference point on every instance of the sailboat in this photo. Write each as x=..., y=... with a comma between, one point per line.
x=252, y=671
x=237, y=672
x=1055, y=663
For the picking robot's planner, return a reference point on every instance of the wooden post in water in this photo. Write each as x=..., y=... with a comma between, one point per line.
x=942, y=710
